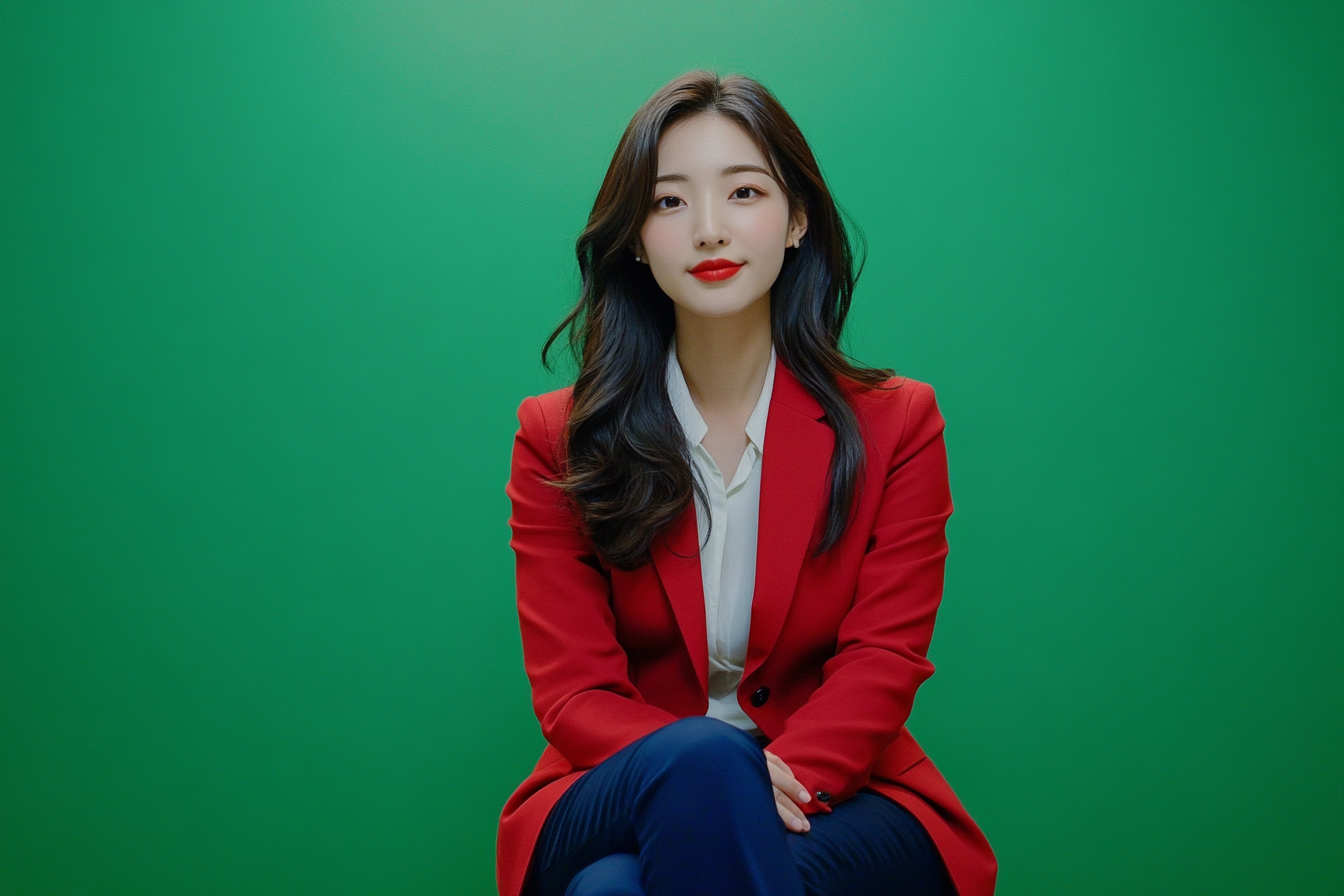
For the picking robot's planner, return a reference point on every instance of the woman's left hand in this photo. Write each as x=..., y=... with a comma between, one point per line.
x=789, y=794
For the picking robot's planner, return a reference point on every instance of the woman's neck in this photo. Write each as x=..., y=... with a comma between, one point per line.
x=725, y=359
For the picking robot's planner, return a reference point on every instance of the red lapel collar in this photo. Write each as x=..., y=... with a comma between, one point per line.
x=676, y=555
x=793, y=480
x=793, y=485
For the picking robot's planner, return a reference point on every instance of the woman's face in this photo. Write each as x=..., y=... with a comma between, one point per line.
x=715, y=202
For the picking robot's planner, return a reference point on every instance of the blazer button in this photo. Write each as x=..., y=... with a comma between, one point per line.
x=759, y=696
x=824, y=796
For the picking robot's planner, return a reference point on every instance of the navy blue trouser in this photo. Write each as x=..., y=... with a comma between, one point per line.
x=689, y=811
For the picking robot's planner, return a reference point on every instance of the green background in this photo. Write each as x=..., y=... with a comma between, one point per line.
x=273, y=279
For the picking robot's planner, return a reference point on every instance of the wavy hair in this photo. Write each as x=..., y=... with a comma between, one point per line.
x=626, y=465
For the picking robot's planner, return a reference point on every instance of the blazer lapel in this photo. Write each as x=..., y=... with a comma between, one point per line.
x=793, y=490
x=676, y=556
x=793, y=483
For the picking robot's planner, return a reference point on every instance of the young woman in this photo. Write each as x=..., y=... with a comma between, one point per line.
x=730, y=546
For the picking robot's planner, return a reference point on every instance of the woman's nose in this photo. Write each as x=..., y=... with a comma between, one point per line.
x=710, y=228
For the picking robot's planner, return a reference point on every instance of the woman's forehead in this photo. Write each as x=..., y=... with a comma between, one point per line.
x=704, y=145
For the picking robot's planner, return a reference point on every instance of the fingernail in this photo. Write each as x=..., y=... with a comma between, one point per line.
x=804, y=796
x=795, y=824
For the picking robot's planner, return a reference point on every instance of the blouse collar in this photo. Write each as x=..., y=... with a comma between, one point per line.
x=689, y=417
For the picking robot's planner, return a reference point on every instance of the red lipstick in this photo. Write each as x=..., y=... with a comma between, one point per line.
x=715, y=269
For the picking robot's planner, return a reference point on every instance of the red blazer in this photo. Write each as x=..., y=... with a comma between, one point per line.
x=839, y=640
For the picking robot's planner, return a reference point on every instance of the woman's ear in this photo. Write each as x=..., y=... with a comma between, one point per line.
x=797, y=227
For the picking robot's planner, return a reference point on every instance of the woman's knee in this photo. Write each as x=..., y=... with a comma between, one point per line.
x=615, y=875
x=703, y=742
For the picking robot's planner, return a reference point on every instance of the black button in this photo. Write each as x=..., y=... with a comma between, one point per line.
x=759, y=696
x=824, y=796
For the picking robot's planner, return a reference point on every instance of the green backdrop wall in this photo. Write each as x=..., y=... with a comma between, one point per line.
x=273, y=279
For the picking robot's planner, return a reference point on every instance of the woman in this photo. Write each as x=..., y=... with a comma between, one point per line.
x=724, y=637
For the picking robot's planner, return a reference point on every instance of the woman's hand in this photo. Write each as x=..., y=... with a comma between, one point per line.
x=789, y=794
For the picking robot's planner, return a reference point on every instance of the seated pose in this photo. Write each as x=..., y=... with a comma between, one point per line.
x=730, y=545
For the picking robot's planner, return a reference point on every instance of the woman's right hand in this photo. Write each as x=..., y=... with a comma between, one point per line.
x=789, y=794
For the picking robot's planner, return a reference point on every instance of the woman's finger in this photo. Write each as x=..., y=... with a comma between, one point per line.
x=783, y=778
x=790, y=786
x=793, y=817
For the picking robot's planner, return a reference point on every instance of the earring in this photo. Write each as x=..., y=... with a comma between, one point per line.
x=637, y=258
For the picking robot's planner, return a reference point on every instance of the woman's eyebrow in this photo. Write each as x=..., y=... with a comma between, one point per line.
x=742, y=169
x=731, y=169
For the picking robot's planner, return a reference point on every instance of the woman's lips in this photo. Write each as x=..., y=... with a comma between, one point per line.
x=715, y=269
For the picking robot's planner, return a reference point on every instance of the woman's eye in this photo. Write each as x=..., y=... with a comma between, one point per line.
x=744, y=192
x=666, y=202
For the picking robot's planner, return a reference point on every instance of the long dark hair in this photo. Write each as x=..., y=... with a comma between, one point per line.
x=626, y=464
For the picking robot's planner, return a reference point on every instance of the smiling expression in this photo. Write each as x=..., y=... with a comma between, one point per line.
x=720, y=224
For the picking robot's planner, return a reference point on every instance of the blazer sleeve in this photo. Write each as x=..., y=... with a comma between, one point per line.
x=581, y=691
x=834, y=740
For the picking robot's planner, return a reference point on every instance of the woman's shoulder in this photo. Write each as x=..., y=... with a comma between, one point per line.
x=895, y=396
x=897, y=408
x=543, y=416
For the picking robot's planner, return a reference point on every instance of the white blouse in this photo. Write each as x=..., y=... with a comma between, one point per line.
x=728, y=548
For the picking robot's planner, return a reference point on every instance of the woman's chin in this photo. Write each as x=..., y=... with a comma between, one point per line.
x=715, y=304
